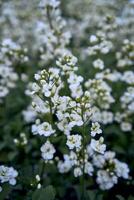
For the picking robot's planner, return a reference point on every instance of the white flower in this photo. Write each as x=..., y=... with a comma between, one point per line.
x=74, y=141
x=45, y=129
x=37, y=177
x=37, y=77
x=109, y=155
x=38, y=186
x=98, y=64
x=106, y=117
x=77, y=172
x=99, y=161
x=40, y=106
x=35, y=87
x=64, y=167
x=74, y=79
x=29, y=114
x=95, y=129
x=67, y=63
x=69, y=161
x=126, y=126
x=98, y=146
x=105, y=180
x=48, y=151
x=128, y=77
x=3, y=91
x=89, y=168
x=76, y=90
x=93, y=39
x=8, y=174
x=75, y=119
x=121, y=169
x=64, y=126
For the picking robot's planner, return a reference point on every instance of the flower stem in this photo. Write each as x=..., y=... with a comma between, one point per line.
x=51, y=112
x=83, y=167
x=83, y=157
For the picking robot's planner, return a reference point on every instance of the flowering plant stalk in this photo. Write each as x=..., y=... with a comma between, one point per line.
x=73, y=116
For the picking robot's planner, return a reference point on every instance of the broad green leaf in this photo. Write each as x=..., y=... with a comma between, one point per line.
x=47, y=193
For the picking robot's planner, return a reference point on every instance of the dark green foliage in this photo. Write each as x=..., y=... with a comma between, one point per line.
x=47, y=193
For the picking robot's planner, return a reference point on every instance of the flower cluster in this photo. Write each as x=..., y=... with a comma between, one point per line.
x=110, y=169
x=10, y=53
x=100, y=92
x=68, y=117
x=7, y=80
x=51, y=37
x=99, y=45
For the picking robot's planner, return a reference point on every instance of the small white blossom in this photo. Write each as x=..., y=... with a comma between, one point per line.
x=89, y=168
x=93, y=39
x=95, y=129
x=29, y=114
x=48, y=151
x=74, y=141
x=98, y=64
x=105, y=180
x=44, y=129
x=98, y=146
x=77, y=172
x=122, y=169
x=126, y=126
x=8, y=174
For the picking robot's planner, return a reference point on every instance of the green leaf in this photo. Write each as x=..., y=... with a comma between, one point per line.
x=47, y=193
x=6, y=189
x=91, y=194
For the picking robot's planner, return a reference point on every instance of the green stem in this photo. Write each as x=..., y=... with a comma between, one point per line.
x=83, y=168
x=51, y=112
x=49, y=18
x=42, y=170
x=83, y=157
